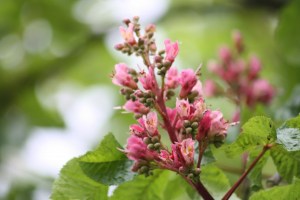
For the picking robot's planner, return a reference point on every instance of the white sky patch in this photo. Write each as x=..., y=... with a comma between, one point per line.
x=91, y=12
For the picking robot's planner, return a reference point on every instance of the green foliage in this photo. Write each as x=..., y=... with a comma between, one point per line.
x=215, y=180
x=177, y=189
x=143, y=188
x=290, y=192
x=258, y=131
x=287, y=163
x=84, y=177
x=106, y=164
x=256, y=174
x=74, y=184
x=289, y=137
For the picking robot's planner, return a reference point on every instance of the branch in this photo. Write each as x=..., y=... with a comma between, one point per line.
x=244, y=175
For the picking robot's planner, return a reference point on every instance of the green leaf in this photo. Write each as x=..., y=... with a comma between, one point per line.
x=180, y=192
x=287, y=163
x=290, y=192
x=214, y=180
x=258, y=131
x=74, y=184
x=256, y=173
x=106, y=164
x=289, y=134
x=143, y=188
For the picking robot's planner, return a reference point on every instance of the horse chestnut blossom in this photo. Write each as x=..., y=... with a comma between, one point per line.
x=190, y=125
x=241, y=77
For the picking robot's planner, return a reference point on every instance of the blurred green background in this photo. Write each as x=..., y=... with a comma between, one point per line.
x=56, y=57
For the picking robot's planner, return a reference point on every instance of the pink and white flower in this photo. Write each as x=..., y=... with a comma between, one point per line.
x=187, y=80
x=187, y=151
x=137, y=150
x=183, y=108
x=172, y=79
x=122, y=76
x=151, y=123
x=135, y=107
x=172, y=50
x=128, y=34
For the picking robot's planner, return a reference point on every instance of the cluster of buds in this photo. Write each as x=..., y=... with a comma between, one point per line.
x=146, y=92
x=241, y=76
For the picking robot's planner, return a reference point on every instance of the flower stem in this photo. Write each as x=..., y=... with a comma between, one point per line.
x=202, y=191
x=244, y=175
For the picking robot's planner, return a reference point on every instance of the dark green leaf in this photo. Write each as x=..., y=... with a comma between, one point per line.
x=143, y=188
x=290, y=192
x=287, y=163
x=74, y=184
x=289, y=134
x=258, y=131
x=106, y=164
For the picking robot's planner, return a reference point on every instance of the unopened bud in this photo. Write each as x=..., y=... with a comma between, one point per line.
x=147, y=140
x=189, y=130
x=141, y=42
x=194, y=125
x=151, y=146
x=119, y=47
x=155, y=139
x=167, y=64
x=196, y=171
x=150, y=28
x=144, y=169
x=157, y=145
x=126, y=21
x=136, y=19
x=186, y=123
x=190, y=175
x=158, y=59
x=132, y=97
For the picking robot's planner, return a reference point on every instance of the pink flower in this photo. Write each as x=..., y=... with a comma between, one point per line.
x=122, y=76
x=151, y=123
x=212, y=125
x=187, y=151
x=225, y=54
x=238, y=41
x=148, y=80
x=183, y=108
x=127, y=34
x=199, y=108
x=218, y=125
x=254, y=68
x=172, y=80
x=137, y=150
x=210, y=88
x=261, y=91
x=198, y=88
x=188, y=80
x=135, y=107
x=172, y=50
x=137, y=130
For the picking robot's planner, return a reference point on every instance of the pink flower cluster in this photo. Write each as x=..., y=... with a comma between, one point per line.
x=242, y=77
x=146, y=91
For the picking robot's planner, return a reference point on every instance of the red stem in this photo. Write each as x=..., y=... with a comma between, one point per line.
x=202, y=191
x=244, y=175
